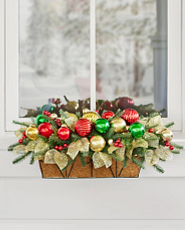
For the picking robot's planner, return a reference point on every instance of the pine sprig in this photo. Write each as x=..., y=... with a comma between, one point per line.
x=125, y=162
x=139, y=151
x=76, y=136
x=109, y=134
x=32, y=160
x=21, y=123
x=82, y=160
x=21, y=158
x=176, y=145
x=175, y=151
x=44, y=139
x=158, y=168
x=69, y=162
x=122, y=136
x=137, y=162
x=169, y=124
x=26, y=141
x=115, y=157
x=33, y=121
x=10, y=148
x=52, y=122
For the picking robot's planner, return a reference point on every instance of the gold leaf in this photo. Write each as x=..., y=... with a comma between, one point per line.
x=107, y=159
x=20, y=149
x=32, y=144
x=19, y=132
x=97, y=160
x=151, y=158
x=112, y=148
x=41, y=147
x=84, y=145
x=49, y=156
x=70, y=121
x=61, y=160
x=164, y=153
x=73, y=149
x=121, y=153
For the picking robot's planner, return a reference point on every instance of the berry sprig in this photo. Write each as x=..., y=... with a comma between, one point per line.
x=58, y=122
x=23, y=137
x=60, y=148
x=47, y=113
x=118, y=143
x=167, y=144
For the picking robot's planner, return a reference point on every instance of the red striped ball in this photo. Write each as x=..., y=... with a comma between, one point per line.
x=130, y=116
x=83, y=127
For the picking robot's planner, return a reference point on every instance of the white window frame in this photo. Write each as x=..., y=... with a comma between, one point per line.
x=9, y=65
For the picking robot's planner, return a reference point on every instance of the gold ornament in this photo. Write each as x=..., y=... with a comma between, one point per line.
x=167, y=134
x=110, y=142
x=118, y=124
x=91, y=116
x=97, y=143
x=85, y=110
x=32, y=132
x=54, y=116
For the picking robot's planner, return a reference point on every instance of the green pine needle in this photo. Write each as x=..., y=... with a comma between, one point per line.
x=52, y=122
x=33, y=120
x=175, y=151
x=42, y=138
x=122, y=136
x=85, y=154
x=115, y=157
x=21, y=158
x=137, y=162
x=82, y=160
x=169, y=124
x=32, y=160
x=109, y=134
x=10, y=148
x=75, y=136
x=125, y=162
x=158, y=168
x=70, y=162
x=176, y=145
x=21, y=123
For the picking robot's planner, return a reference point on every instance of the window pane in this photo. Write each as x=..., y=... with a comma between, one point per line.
x=54, y=51
x=132, y=50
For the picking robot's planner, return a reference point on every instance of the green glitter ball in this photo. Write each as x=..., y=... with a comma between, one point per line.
x=102, y=125
x=137, y=130
x=40, y=119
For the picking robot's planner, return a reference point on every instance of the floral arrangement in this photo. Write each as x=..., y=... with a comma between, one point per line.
x=122, y=136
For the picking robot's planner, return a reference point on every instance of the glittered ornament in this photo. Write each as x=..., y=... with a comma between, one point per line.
x=83, y=127
x=110, y=142
x=90, y=115
x=137, y=130
x=54, y=116
x=45, y=130
x=107, y=114
x=64, y=133
x=32, y=132
x=47, y=107
x=102, y=125
x=40, y=119
x=97, y=143
x=118, y=124
x=130, y=116
x=167, y=134
x=125, y=103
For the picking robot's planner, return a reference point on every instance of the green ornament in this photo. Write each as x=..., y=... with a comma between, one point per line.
x=102, y=125
x=47, y=107
x=40, y=119
x=137, y=130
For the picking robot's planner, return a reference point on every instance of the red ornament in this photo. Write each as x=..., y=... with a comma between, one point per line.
x=125, y=103
x=118, y=141
x=45, y=129
x=130, y=116
x=150, y=130
x=60, y=148
x=116, y=144
x=24, y=133
x=167, y=143
x=106, y=105
x=64, y=133
x=20, y=141
x=65, y=145
x=83, y=127
x=120, y=145
x=107, y=114
x=171, y=147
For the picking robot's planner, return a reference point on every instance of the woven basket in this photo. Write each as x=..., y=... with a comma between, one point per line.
x=77, y=171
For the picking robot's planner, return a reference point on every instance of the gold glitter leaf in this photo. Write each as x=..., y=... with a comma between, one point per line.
x=19, y=132
x=151, y=158
x=97, y=160
x=73, y=149
x=107, y=159
x=61, y=160
x=70, y=121
x=112, y=148
x=41, y=147
x=121, y=153
x=84, y=145
x=49, y=156
x=20, y=149
x=164, y=153
x=32, y=144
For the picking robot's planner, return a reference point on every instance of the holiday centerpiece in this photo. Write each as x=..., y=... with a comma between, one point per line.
x=94, y=144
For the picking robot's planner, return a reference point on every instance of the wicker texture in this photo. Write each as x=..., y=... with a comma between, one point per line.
x=77, y=171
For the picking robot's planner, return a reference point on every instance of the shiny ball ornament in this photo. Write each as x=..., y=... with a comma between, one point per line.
x=64, y=133
x=106, y=105
x=125, y=103
x=110, y=142
x=102, y=125
x=90, y=115
x=45, y=130
x=54, y=116
x=47, y=107
x=130, y=116
x=83, y=127
x=167, y=134
x=97, y=143
x=32, y=132
x=107, y=114
x=40, y=119
x=118, y=124
x=137, y=130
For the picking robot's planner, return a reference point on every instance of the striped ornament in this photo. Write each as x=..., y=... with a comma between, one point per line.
x=83, y=127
